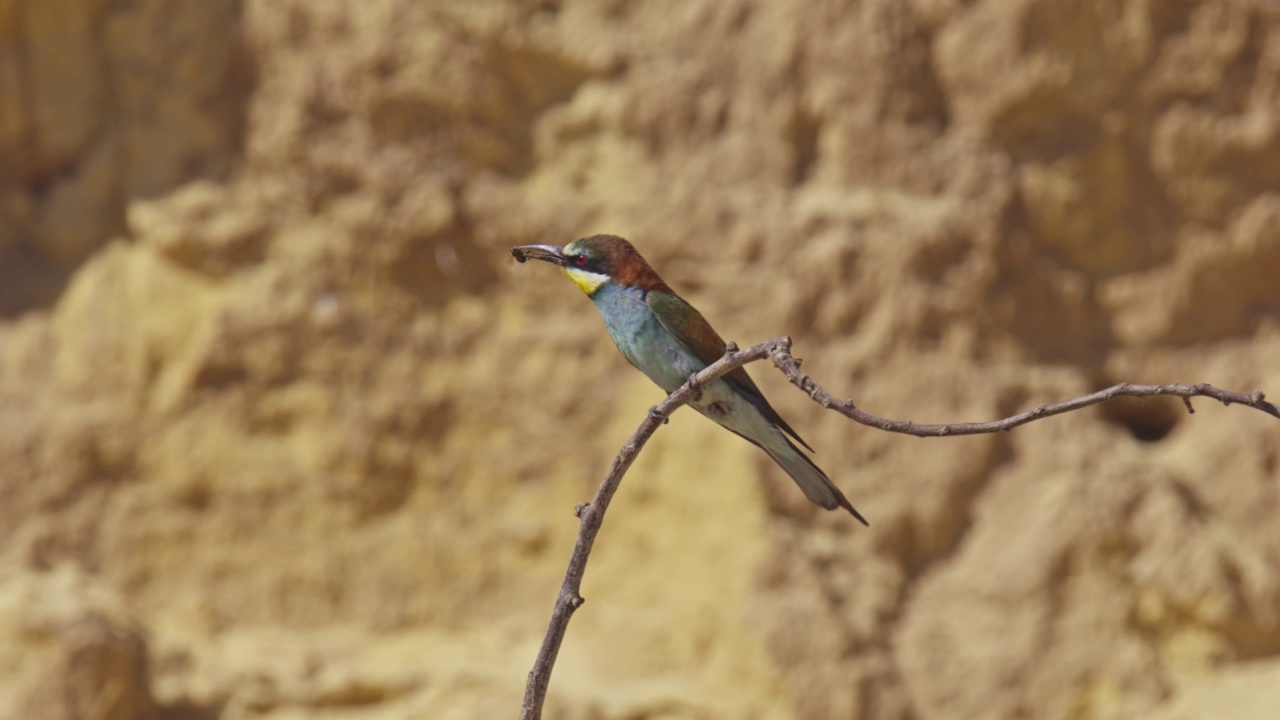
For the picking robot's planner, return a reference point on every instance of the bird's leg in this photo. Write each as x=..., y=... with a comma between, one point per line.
x=695, y=386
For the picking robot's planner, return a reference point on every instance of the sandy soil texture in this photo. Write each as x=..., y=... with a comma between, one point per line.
x=285, y=432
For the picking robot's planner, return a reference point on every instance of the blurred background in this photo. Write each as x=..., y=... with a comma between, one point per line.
x=285, y=432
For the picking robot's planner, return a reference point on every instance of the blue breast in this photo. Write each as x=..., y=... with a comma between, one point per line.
x=642, y=339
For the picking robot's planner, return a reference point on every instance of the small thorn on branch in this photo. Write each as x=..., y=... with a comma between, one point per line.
x=576, y=601
x=580, y=509
x=1257, y=397
x=657, y=415
x=1186, y=400
x=730, y=347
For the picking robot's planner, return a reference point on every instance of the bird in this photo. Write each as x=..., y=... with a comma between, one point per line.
x=668, y=340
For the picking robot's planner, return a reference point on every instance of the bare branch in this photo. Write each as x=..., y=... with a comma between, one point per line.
x=790, y=367
x=779, y=351
x=592, y=514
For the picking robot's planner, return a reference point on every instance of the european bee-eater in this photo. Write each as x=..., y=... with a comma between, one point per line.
x=668, y=340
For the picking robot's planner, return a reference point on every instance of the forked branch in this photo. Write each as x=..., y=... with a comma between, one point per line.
x=779, y=351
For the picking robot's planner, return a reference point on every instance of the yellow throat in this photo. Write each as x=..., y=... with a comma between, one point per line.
x=589, y=282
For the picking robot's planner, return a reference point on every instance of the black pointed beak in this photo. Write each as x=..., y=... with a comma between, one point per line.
x=547, y=253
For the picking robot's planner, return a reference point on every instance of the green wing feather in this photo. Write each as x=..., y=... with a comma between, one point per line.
x=699, y=338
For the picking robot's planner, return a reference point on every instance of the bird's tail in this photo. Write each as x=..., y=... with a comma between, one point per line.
x=815, y=483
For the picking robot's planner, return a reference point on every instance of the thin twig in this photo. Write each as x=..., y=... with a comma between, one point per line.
x=779, y=351
x=790, y=367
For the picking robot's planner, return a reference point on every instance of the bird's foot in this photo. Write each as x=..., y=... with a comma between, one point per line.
x=653, y=413
x=695, y=386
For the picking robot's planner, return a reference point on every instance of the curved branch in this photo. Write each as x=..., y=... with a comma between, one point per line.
x=592, y=515
x=779, y=351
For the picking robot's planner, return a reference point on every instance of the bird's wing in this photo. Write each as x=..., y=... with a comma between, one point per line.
x=699, y=338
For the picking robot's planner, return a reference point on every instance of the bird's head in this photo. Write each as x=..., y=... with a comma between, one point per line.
x=594, y=262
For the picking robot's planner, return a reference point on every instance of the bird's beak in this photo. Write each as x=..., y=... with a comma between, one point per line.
x=548, y=253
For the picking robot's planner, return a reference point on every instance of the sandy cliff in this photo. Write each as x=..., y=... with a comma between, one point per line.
x=285, y=433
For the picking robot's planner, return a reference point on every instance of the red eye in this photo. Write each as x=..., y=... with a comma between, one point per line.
x=580, y=260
